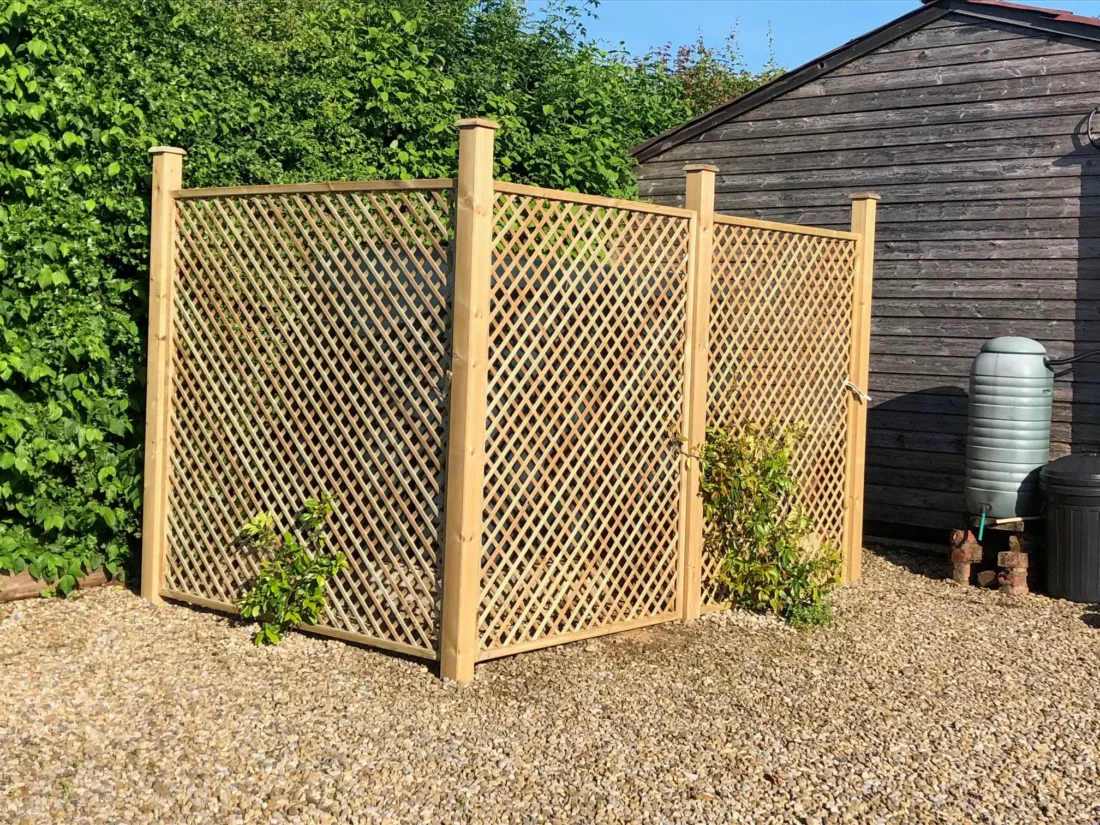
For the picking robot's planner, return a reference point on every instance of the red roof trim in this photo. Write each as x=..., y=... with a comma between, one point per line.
x=1049, y=14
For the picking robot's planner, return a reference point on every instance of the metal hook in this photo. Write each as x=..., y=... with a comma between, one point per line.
x=848, y=385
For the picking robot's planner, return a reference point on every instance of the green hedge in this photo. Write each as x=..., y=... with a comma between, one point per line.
x=257, y=91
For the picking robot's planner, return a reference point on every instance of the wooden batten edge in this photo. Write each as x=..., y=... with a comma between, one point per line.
x=200, y=601
x=793, y=228
x=314, y=630
x=426, y=185
x=508, y=188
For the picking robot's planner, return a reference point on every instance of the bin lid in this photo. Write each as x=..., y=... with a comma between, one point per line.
x=1014, y=344
x=1080, y=471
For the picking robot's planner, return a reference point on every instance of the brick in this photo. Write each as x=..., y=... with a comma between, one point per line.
x=961, y=537
x=960, y=573
x=1013, y=577
x=987, y=578
x=967, y=554
x=1013, y=582
x=1024, y=543
x=1013, y=560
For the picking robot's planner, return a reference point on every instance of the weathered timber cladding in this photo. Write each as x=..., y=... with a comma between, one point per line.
x=973, y=132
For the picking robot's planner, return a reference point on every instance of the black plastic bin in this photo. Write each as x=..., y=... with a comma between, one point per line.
x=1072, y=485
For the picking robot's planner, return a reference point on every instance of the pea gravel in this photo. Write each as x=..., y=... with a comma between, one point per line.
x=928, y=703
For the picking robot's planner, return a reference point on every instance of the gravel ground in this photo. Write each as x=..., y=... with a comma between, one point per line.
x=927, y=703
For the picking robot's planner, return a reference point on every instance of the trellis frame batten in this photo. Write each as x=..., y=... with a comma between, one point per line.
x=167, y=178
x=864, y=206
x=469, y=400
x=700, y=199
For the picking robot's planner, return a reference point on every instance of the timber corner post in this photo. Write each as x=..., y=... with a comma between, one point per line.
x=167, y=179
x=473, y=255
x=699, y=197
x=864, y=208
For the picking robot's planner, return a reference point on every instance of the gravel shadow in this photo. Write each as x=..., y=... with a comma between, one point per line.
x=928, y=564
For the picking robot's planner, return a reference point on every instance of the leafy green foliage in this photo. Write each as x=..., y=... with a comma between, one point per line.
x=709, y=77
x=289, y=590
x=569, y=111
x=264, y=91
x=813, y=616
x=70, y=241
x=770, y=559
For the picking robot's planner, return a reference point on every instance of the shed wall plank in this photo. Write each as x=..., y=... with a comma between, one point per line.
x=1050, y=148
x=862, y=80
x=1028, y=125
x=886, y=118
x=991, y=45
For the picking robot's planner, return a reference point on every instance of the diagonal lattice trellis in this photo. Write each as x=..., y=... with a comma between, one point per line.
x=780, y=344
x=311, y=354
x=586, y=378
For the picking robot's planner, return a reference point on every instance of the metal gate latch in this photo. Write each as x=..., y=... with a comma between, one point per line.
x=848, y=385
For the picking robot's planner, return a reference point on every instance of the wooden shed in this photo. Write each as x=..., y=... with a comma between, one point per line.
x=970, y=118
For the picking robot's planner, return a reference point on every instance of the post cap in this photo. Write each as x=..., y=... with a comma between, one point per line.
x=477, y=123
x=700, y=167
x=167, y=150
x=865, y=196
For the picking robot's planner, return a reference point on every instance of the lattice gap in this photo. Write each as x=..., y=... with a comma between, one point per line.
x=780, y=339
x=311, y=354
x=585, y=383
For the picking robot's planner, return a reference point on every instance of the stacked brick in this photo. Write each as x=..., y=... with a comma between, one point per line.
x=1014, y=569
x=965, y=553
x=1015, y=564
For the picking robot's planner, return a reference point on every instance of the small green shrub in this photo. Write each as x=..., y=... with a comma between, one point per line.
x=289, y=590
x=771, y=560
x=812, y=616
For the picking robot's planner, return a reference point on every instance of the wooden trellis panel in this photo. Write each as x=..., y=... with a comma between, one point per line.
x=780, y=348
x=311, y=354
x=586, y=380
x=301, y=343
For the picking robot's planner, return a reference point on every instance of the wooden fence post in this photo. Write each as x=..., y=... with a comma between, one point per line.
x=700, y=198
x=473, y=258
x=167, y=177
x=864, y=205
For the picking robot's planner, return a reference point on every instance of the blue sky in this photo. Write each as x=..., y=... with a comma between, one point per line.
x=803, y=29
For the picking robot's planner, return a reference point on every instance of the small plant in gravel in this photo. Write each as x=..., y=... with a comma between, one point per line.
x=812, y=616
x=289, y=589
x=770, y=558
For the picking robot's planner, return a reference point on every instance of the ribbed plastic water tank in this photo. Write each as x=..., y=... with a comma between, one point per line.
x=1008, y=432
